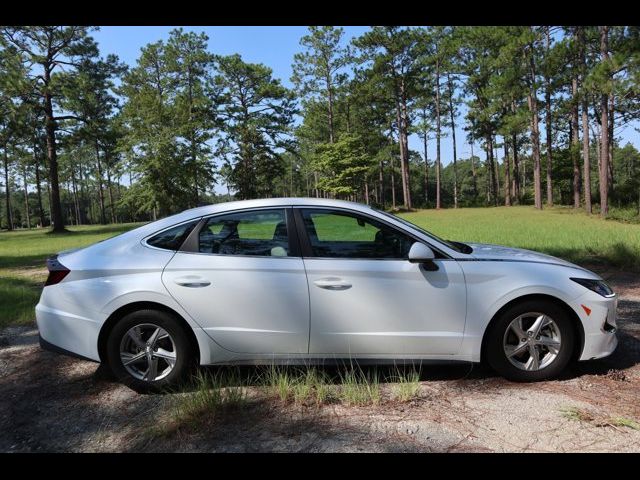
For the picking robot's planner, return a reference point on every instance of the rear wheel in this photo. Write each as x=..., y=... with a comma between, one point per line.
x=531, y=341
x=149, y=350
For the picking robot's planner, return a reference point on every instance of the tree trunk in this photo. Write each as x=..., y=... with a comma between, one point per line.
x=453, y=135
x=516, y=170
x=474, y=178
x=193, y=148
x=402, y=155
x=381, y=185
x=315, y=185
x=26, y=197
x=330, y=107
x=38, y=186
x=7, y=188
x=585, y=158
x=425, y=141
x=496, y=167
x=110, y=189
x=507, y=175
x=393, y=177
x=492, y=170
x=586, y=164
x=438, y=200
x=548, y=124
x=611, y=143
x=604, y=130
x=366, y=190
x=103, y=218
x=575, y=143
x=535, y=131
x=403, y=137
x=49, y=198
x=57, y=220
x=76, y=202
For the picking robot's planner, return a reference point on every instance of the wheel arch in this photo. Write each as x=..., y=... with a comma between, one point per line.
x=575, y=321
x=124, y=310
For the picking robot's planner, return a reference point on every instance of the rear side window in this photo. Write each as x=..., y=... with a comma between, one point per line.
x=172, y=238
x=260, y=232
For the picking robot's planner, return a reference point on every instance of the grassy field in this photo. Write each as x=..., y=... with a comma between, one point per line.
x=559, y=231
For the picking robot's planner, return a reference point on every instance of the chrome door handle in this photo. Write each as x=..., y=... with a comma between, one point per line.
x=192, y=281
x=332, y=283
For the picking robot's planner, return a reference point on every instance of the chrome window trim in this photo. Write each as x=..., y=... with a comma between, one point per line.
x=205, y=218
x=383, y=221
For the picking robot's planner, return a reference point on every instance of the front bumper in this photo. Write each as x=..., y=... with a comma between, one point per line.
x=598, y=316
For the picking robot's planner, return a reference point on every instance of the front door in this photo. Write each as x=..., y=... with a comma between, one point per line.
x=367, y=298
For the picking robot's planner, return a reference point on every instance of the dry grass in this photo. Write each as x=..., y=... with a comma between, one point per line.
x=599, y=419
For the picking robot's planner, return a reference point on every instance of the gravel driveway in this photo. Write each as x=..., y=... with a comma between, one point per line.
x=53, y=403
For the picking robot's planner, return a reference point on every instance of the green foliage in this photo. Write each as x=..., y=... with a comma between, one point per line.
x=257, y=112
x=342, y=164
x=168, y=122
x=85, y=139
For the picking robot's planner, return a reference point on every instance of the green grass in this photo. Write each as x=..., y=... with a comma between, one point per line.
x=407, y=384
x=303, y=386
x=22, y=264
x=559, y=231
x=30, y=248
x=211, y=393
x=358, y=388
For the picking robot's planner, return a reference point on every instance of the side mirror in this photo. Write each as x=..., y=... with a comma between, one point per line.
x=420, y=253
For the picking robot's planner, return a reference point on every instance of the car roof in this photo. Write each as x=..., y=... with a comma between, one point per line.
x=274, y=202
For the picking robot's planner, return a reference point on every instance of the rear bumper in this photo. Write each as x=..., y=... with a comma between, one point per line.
x=50, y=347
x=67, y=333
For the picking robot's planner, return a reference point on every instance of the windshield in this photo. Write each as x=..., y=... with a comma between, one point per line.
x=456, y=246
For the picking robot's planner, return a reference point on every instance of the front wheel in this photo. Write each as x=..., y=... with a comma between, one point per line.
x=149, y=350
x=531, y=341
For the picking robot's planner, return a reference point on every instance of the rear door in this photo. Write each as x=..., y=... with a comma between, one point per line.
x=245, y=283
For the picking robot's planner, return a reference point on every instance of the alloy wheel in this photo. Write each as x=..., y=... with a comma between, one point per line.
x=148, y=352
x=532, y=341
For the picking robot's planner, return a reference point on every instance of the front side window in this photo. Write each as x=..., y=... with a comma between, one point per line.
x=259, y=232
x=339, y=234
x=172, y=238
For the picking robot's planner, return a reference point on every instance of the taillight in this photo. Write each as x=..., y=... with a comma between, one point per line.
x=57, y=271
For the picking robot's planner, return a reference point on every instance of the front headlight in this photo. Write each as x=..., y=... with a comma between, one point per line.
x=598, y=286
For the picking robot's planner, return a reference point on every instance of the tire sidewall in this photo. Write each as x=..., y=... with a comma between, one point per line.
x=497, y=358
x=184, y=354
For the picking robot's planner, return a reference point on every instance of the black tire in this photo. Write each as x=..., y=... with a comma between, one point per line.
x=183, y=351
x=494, y=347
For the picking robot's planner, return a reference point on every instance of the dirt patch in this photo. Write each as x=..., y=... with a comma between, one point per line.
x=53, y=403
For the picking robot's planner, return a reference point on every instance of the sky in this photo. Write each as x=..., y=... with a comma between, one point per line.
x=274, y=47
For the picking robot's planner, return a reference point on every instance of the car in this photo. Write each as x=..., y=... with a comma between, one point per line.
x=304, y=280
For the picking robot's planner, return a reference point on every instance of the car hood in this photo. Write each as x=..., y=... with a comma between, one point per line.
x=484, y=251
